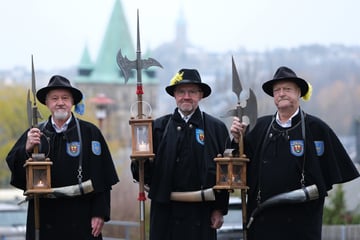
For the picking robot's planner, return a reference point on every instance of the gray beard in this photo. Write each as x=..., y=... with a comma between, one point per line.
x=61, y=115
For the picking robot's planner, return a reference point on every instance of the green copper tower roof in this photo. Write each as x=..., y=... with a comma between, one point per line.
x=86, y=62
x=105, y=69
x=86, y=65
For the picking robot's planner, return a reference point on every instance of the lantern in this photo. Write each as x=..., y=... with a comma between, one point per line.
x=231, y=170
x=141, y=135
x=38, y=175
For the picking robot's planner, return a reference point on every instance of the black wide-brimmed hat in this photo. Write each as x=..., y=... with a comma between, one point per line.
x=285, y=74
x=187, y=76
x=59, y=82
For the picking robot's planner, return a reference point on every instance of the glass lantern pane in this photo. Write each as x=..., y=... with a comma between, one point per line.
x=142, y=138
x=39, y=179
x=236, y=173
x=223, y=173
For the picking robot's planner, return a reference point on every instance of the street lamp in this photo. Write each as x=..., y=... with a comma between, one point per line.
x=101, y=102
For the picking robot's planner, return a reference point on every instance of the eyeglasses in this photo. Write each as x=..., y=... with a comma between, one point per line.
x=64, y=98
x=277, y=91
x=191, y=92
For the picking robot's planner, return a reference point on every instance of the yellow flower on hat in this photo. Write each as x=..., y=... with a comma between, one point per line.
x=177, y=78
x=307, y=96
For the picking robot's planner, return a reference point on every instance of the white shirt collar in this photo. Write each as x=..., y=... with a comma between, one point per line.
x=186, y=118
x=63, y=128
x=288, y=122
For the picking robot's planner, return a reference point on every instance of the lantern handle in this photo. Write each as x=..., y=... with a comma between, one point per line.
x=227, y=145
x=132, y=111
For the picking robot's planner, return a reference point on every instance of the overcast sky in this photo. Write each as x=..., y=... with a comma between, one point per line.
x=56, y=31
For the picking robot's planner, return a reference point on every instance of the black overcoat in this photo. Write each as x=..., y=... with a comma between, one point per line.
x=184, y=161
x=277, y=168
x=68, y=218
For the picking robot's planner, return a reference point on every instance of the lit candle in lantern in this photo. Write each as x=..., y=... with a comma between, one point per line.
x=40, y=184
x=143, y=147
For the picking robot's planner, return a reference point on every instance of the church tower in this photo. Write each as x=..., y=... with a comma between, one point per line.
x=103, y=76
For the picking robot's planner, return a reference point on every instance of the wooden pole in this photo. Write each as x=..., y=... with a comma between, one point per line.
x=37, y=217
x=243, y=191
x=142, y=199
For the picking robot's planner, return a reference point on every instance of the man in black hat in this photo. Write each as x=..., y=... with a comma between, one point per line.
x=79, y=153
x=185, y=145
x=290, y=150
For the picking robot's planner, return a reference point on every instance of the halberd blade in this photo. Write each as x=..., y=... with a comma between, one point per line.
x=250, y=111
x=246, y=108
x=33, y=82
x=236, y=84
x=125, y=65
x=29, y=109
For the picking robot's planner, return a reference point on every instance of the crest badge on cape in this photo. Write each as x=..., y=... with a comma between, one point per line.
x=200, y=136
x=96, y=147
x=73, y=149
x=319, y=146
x=297, y=147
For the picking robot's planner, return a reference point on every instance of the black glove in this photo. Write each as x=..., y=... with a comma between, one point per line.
x=134, y=167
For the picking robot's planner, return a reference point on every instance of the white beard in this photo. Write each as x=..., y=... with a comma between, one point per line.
x=61, y=115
